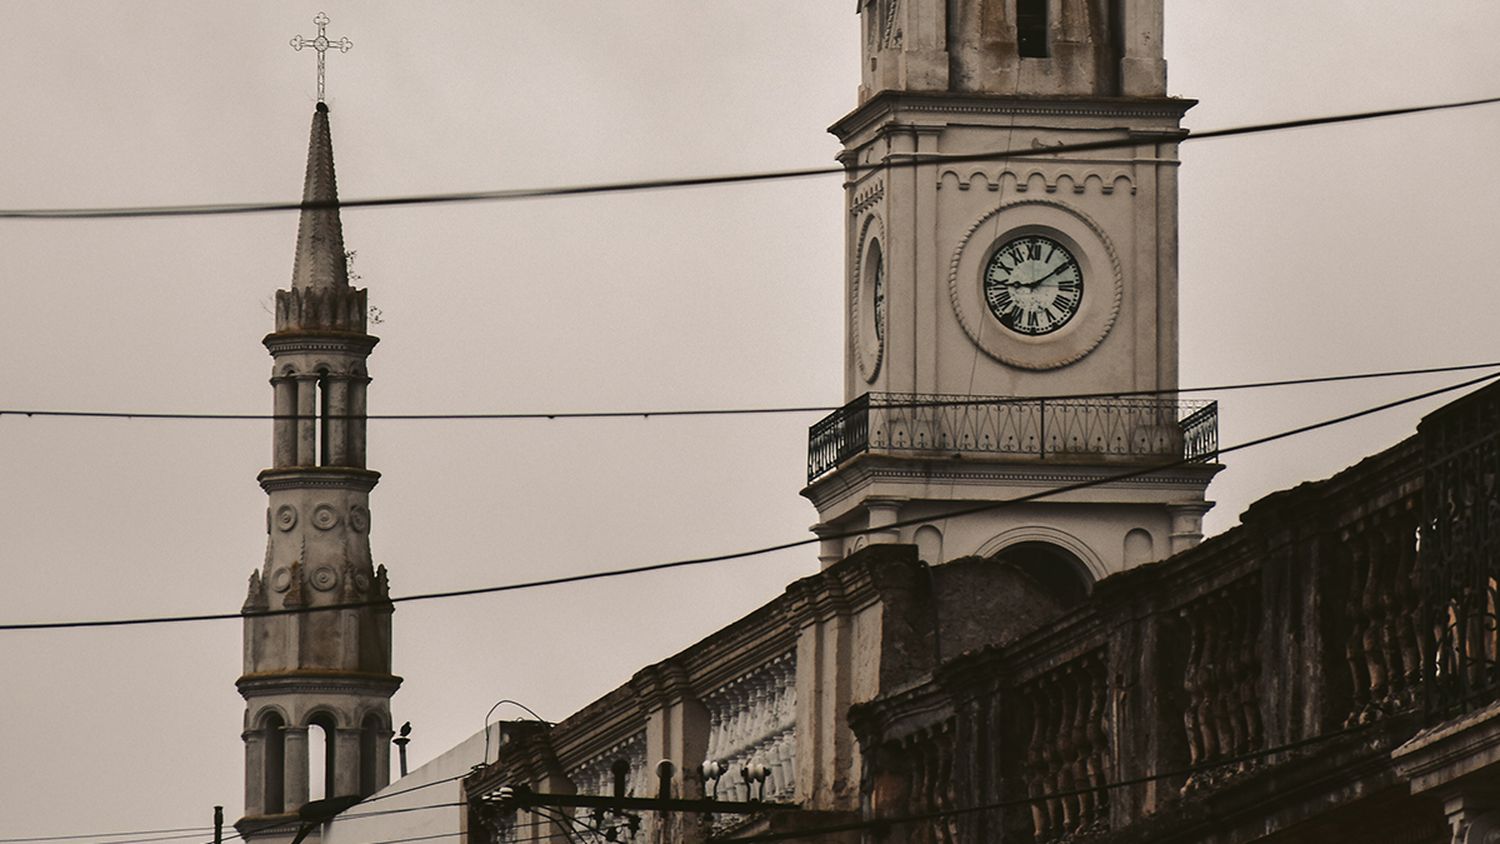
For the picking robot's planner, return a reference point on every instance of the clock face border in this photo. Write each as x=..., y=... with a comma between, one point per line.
x=869, y=340
x=1098, y=264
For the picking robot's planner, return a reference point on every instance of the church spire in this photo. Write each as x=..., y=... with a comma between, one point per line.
x=320, y=262
x=318, y=679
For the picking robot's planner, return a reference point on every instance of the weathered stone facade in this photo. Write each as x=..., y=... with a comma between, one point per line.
x=1290, y=680
x=771, y=689
x=1323, y=672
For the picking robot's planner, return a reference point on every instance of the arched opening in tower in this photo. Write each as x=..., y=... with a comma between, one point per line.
x=322, y=407
x=273, y=767
x=322, y=748
x=1058, y=571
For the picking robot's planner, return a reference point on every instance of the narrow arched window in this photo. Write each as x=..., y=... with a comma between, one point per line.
x=321, y=757
x=273, y=738
x=322, y=411
x=1031, y=28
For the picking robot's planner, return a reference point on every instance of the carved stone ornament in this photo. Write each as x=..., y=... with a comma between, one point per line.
x=281, y=580
x=325, y=578
x=362, y=582
x=324, y=517
x=359, y=518
x=1103, y=285
x=286, y=517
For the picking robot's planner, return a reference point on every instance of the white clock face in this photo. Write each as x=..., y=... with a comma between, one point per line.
x=1033, y=285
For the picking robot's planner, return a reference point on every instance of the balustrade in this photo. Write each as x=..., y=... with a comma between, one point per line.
x=1382, y=640
x=752, y=720
x=1460, y=552
x=1122, y=428
x=1067, y=748
x=1222, y=717
x=596, y=776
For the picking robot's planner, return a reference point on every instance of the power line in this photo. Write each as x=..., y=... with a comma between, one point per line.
x=742, y=411
x=753, y=552
x=82, y=836
x=514, y=194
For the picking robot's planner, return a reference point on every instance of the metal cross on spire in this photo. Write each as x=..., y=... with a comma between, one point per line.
x=322, y=45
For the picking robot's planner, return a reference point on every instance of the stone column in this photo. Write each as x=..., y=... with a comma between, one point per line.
x=1187, y=524
x=284, y=439
x=295, y=792
x=358, y=391
x=255, y=772
x=345, y=761
x=830, y=546
x=338, y=421
x=884, y=512
x=383, y=758
x=307, y=421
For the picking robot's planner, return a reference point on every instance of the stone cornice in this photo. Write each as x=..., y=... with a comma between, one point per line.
x=902, y=712
x=289, y=342
x=602, y=724
x=662, y=685
x=304, y=681
x=889, y=105
x=1439, y=755
x=861, y=471
x=318, y=477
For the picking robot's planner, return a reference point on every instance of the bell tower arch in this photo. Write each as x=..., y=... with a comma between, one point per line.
x=317, y=628
x=995, y=267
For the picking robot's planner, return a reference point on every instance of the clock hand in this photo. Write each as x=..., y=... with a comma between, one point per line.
x=1060, y=267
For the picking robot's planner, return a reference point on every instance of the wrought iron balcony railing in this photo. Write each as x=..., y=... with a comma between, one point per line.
x=1121, y=429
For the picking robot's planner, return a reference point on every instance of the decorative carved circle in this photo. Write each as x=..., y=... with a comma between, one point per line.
x=1083, y=237
x=324, y=578
x=868, y=338
x=324, y=517
x=362, y=582
x=286, y=517
x=281, y=580
x=359, y=518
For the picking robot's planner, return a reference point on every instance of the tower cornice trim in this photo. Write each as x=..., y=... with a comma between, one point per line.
x=285, y=342
x=318, y=477
x=887, y=104
x=302, y=681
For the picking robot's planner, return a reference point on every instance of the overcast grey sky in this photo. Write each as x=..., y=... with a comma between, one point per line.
x=1315, y=251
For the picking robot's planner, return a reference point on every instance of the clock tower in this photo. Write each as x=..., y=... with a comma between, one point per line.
x=1004, y=288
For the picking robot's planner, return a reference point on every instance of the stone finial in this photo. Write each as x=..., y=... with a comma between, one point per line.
x=320, y=263
x=294, y=593
x=255, y=598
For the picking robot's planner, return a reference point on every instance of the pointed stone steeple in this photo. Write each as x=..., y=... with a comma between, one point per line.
x=320, y=298
x=320, y=262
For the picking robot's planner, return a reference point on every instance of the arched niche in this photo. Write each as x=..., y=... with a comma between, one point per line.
x=1060, y=563
x=1139, y=547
